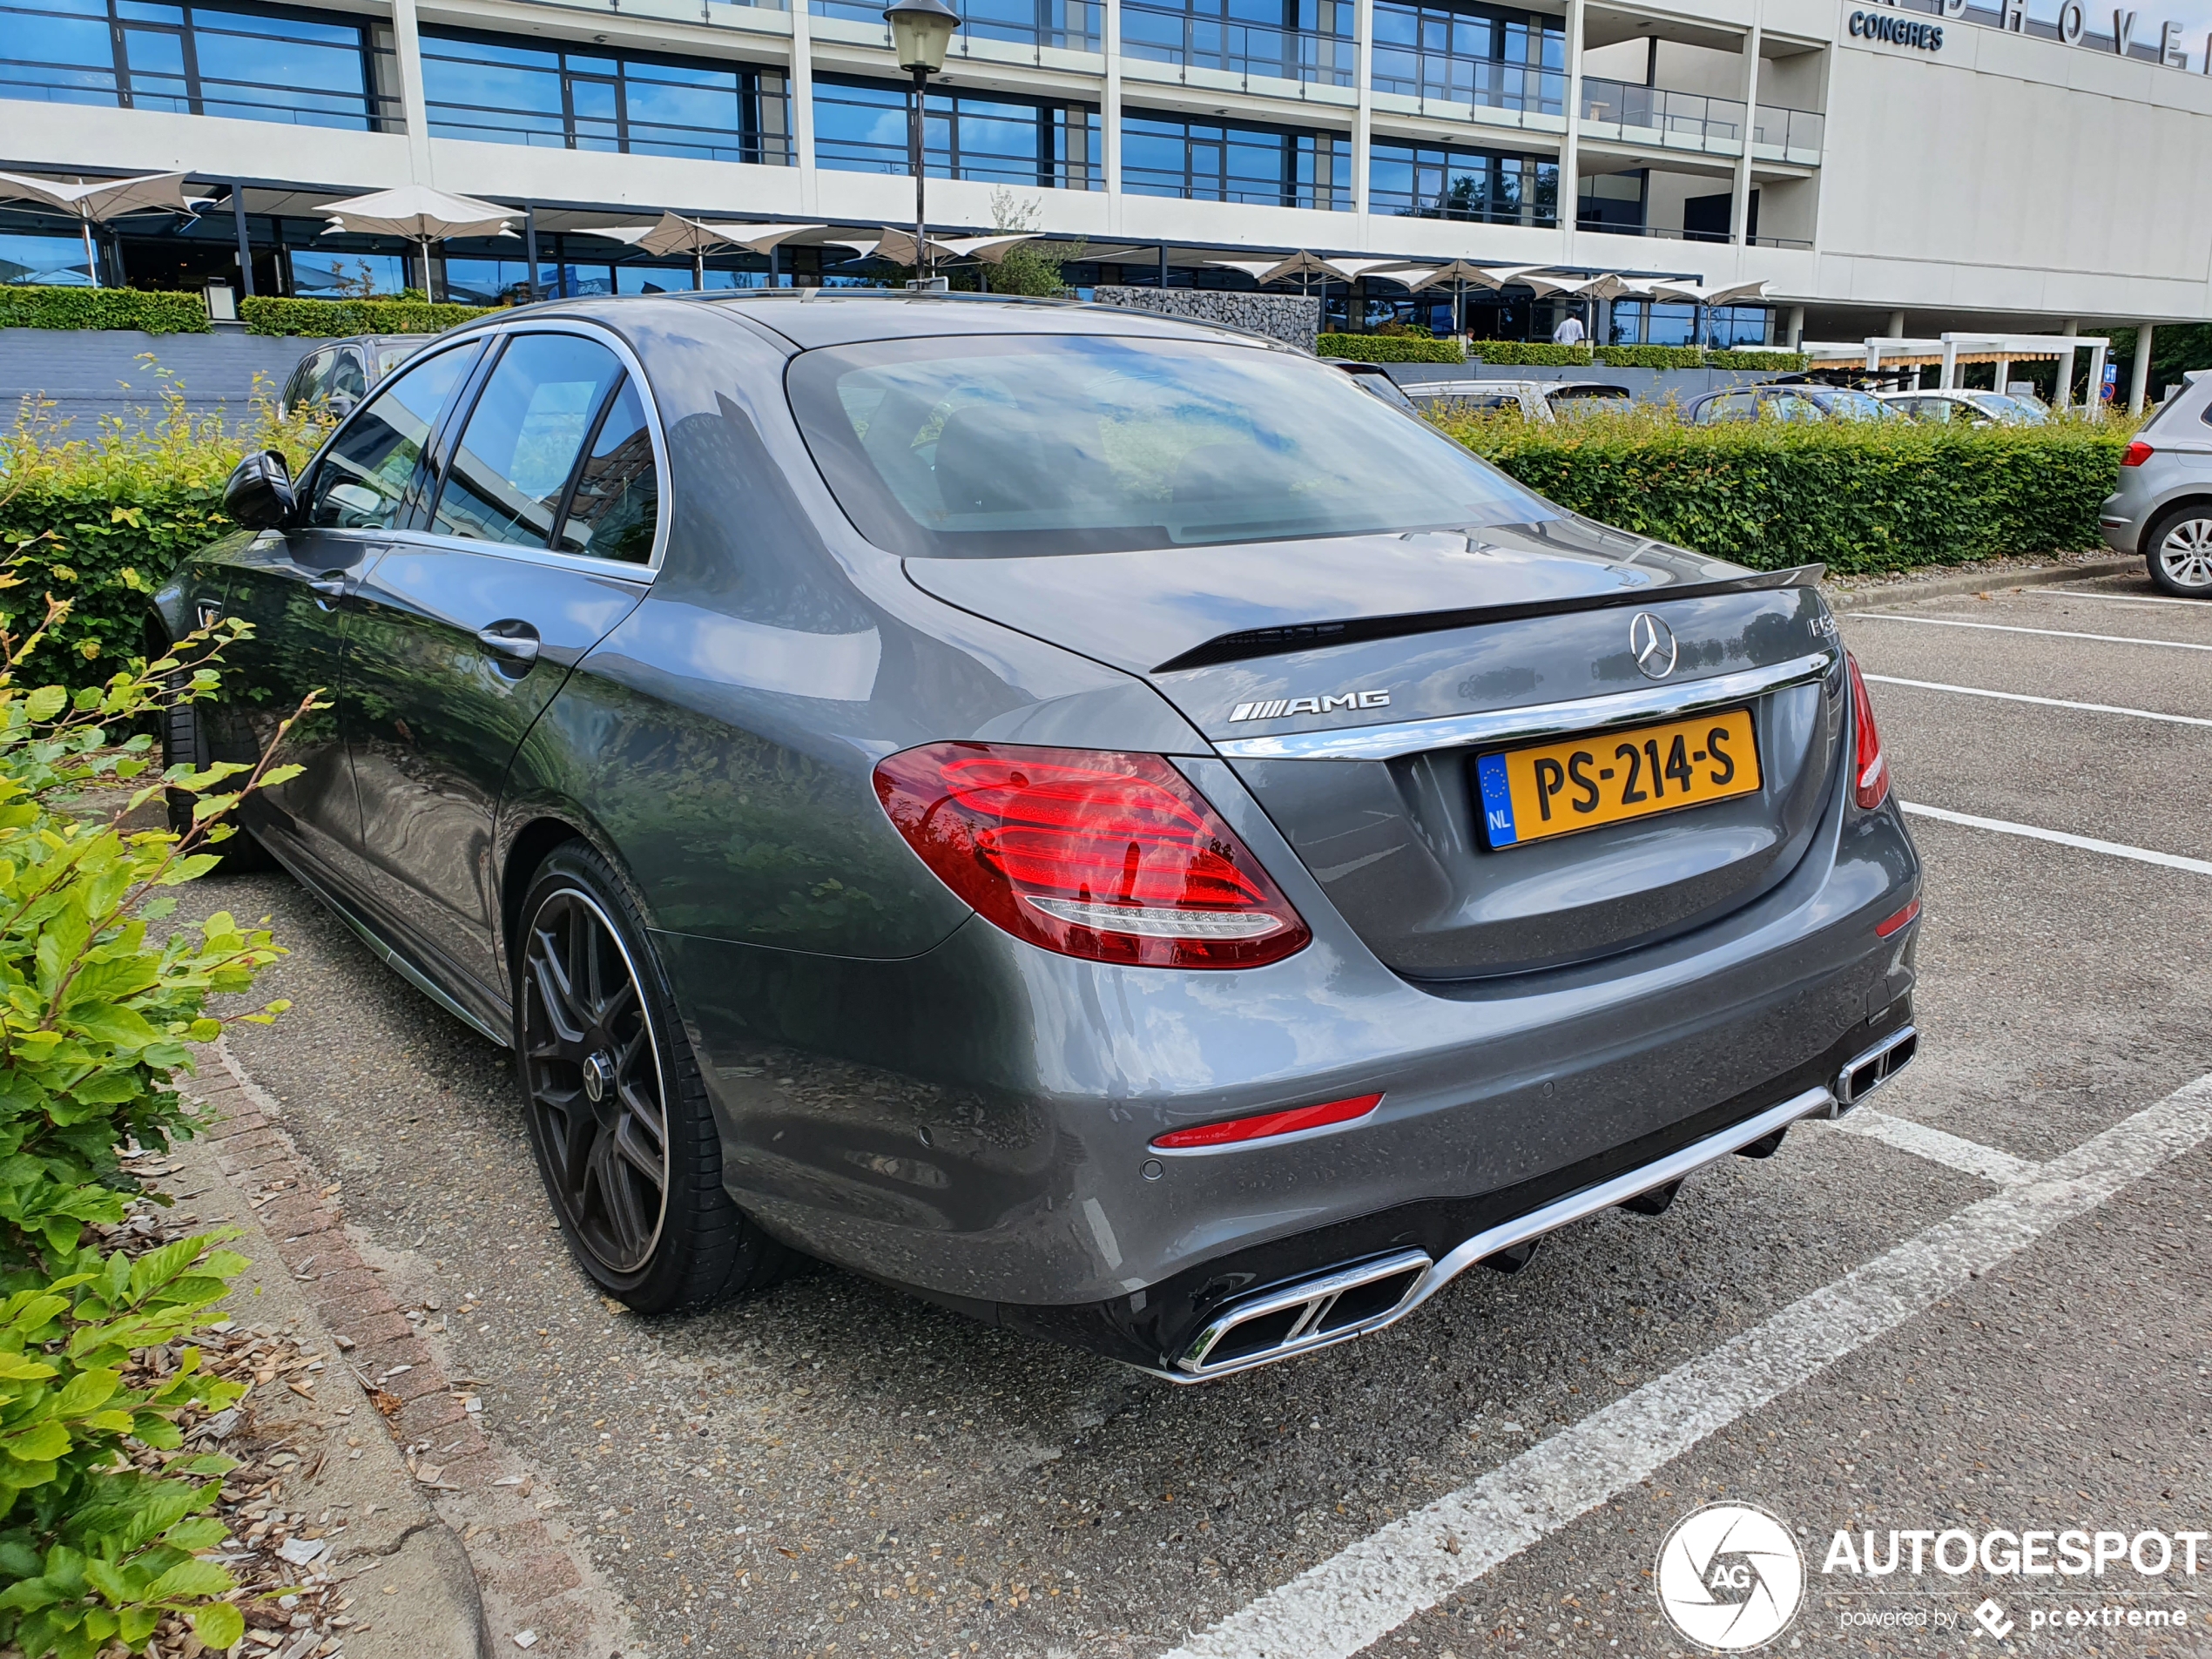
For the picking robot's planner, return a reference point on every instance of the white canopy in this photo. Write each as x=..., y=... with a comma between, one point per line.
x=671, y=233
x=992, y=250
x=419, y=213
x=1481, y=276
x=104, y=198
x=1720, y=294
x=1611, y=286
x=100, y=201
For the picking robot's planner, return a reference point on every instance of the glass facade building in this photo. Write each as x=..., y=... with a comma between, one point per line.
x=504, y=92
x=1446, y=181
x=860, y=126
x=257, y=64
x=1218, y=161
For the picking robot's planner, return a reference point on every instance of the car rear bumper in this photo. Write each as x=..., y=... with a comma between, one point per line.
x=975, y=1123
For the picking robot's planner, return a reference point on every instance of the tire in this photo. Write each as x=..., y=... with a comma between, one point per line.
x=184, y=742
x=617, y=1112
x=2178, y=550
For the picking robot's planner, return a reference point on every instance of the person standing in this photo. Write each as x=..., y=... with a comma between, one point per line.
x=1569, y=332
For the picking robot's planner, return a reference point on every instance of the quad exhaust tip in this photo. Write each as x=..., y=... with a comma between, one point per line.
x=1353, y=1300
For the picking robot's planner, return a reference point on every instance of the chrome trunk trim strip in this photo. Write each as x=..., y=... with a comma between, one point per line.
x=1539, y=720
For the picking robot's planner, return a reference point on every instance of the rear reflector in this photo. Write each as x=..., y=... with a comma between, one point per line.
x=1267, y=1123
x=1111, y=857
x=2136, y=453
x=1884, y=929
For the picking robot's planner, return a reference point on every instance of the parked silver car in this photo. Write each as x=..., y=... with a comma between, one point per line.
x=2163, y=507
x=1534, y=400
x=339, y=373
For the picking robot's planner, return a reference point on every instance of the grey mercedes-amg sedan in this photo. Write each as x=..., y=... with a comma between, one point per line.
x=1086, y=816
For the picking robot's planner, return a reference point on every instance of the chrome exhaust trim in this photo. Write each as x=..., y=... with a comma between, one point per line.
x=1868, y=1072
x=1313, y=1313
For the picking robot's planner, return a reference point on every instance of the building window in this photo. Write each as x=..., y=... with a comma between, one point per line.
x=1212, y=161
x=1612, y=202
x=305, y=68
x=1288, y=40
x=1504, y=60
x=860, y=126
x=1645, y=322
x=496, y=92
x=1442, y=181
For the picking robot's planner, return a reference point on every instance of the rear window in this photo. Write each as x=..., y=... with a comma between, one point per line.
x=1005, y=447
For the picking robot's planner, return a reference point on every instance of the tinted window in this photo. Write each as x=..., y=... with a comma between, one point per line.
x=1732, y=405
x=348, y=378
x=978, y=448
x=618, y=494
x=363, y=477
x=514, y=462
x=299, y=390
x=1856, y=406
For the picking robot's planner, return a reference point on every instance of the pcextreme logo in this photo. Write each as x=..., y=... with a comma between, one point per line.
x=1729, y=1577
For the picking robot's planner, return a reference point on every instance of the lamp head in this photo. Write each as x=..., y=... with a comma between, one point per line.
x=921, y=30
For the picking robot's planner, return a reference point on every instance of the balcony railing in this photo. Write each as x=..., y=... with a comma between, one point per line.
x=1166, y=35
x=1787, y=129
x=1066, y=26
x=1487, y=81
x=1655, y=109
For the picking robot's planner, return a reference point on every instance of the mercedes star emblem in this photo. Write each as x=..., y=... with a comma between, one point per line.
x=1653, y=643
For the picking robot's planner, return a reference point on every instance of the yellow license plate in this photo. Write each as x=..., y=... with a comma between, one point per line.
x=1557, y=788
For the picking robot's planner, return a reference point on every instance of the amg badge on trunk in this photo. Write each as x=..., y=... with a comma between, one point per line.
x=1280, y=707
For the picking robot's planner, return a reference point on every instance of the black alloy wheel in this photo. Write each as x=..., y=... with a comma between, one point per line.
x=617, y=1112
x=184, y=742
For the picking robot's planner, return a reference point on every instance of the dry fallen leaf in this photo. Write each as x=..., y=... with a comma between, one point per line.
x=386, y=1402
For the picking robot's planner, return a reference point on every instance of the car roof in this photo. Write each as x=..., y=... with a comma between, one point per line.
x=808, y=318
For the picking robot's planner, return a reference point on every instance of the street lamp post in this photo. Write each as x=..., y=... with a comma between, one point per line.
x=921, y=30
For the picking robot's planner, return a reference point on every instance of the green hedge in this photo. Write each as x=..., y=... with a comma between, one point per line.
x=1650, y=356
x=1390, y=349
x=328, y=318
x=56, y=307
x=1538, y=353
x=1854, y=497
x=1774, y=362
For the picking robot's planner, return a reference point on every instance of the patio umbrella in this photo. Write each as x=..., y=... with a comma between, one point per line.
x=421, y=214
x=672, y=233
x=1462, y=272
x=1605, y=290
x=100, y=201
x=1705, y=299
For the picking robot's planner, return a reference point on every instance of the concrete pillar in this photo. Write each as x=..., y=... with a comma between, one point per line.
x=245, y=243
x=406, y=49
x=1363, y=121
x=1794, y=330
x=2064, y=400
x=1739, y=210
x=1570, y=183
x=1109, y=120
x=1895, y=330
x=802, y=105
x=2138, y=373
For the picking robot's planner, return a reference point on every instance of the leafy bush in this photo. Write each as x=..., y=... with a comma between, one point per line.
x=1773, y=363
x=1389, y=348
x=103, y=520
x=98, y=1532
x=1538, y=353
x=1854, y=496
x=37, y=306
x=328, y=318
x=1650, y=356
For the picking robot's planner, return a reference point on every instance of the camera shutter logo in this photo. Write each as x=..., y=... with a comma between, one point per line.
x=1729, y=1577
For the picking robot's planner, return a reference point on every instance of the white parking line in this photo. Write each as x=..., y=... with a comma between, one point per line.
x=2125, y=598
x=1340, y=1606
x=2086, y=844
x=2007, y=628
x=1938, y=1146
x=2045, y=702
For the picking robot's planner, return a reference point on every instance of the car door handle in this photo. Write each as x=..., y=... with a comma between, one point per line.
x=329, y=587
x=516, y=642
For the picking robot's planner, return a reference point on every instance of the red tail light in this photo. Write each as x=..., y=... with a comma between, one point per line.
x=1870, y=770
x=1115, y=858
x=1269, y=1123
x=2136, y=453
x=1889, y=925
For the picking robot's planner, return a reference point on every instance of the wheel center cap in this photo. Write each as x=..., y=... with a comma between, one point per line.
x=598, y=1077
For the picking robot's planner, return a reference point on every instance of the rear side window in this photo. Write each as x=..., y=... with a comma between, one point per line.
x=617, y=499
x=362, y=480
x=301, y=390
x=510, y=475
x=1735, y=406
x=348, y=378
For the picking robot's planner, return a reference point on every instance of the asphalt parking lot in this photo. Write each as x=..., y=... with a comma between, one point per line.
x=1984, y=1306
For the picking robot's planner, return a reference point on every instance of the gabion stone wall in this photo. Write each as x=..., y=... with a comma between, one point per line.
x=1294, y=318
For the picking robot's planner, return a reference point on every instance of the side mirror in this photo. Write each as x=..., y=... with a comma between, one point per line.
x=259, y=495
